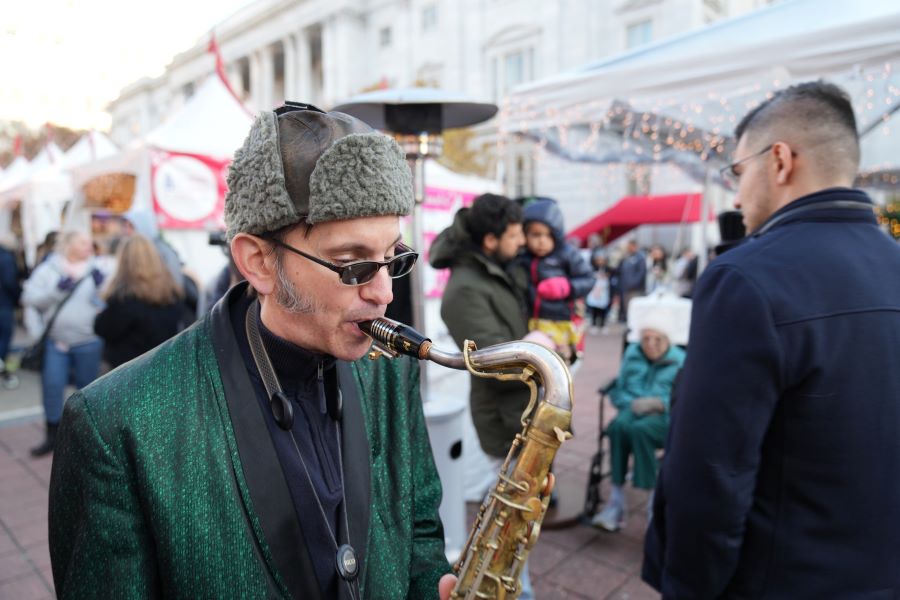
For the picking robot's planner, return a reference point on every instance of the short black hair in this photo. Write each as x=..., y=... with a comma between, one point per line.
x=817, y=111
x=491, y=213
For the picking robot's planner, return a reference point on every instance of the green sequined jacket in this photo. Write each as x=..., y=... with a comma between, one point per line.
x=165, y=482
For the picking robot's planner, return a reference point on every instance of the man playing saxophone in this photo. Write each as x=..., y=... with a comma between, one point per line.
x=254, y=455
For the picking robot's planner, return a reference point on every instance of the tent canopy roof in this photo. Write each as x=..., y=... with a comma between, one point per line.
x=632, y=211
x=91, y=146
x=211, y=123
x=709, y=78
x=814, y=38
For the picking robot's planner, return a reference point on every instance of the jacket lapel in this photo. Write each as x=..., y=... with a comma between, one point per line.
x=357, y=468
x=269, y=494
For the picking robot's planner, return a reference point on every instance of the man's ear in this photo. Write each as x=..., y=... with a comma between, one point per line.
x=784, y=161
x=255, y=260
x=489, y=243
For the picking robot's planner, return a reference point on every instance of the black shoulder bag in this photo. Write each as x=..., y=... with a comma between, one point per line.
x=32, y=358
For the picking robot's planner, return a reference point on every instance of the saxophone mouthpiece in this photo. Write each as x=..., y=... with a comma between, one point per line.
x=396, y=337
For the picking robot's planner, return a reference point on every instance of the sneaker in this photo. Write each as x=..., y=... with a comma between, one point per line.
x=611, y=518
x=9, y=381
x=594, y=330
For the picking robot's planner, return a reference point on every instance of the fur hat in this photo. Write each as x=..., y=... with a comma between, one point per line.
x=299, y=162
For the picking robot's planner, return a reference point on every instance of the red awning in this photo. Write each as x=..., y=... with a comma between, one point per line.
x=631, y=211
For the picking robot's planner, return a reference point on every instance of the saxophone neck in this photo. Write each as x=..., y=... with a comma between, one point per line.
x=510, y=360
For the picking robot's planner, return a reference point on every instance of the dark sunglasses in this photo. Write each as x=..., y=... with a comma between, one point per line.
x=361, y=273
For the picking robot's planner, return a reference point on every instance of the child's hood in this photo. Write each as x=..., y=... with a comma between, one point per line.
x=546, y=211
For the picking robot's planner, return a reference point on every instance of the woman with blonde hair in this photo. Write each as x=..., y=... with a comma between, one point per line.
x=64, y=290
x=143, y=303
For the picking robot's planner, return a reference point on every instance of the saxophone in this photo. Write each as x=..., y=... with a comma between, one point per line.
x=509, y=520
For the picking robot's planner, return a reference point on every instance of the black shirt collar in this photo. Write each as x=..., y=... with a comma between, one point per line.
x=293, y=365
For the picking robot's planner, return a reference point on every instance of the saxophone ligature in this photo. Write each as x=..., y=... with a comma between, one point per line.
x=509, y=520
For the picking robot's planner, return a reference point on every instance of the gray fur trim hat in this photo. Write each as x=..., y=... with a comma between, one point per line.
x=302, y=163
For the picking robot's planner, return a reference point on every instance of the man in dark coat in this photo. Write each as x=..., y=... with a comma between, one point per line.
x=782, y=472
x=632, y=277
x=482, y=303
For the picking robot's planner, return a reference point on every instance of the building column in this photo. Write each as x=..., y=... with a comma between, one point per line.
x=341, y=66
x=255, y=81
x=233, y=73
x=289, y=43
x=330, y=68
x=303, y=67
x=267, y=77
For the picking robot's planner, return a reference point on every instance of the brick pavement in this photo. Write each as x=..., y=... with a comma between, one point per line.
x=24, y=558
x=578, y=563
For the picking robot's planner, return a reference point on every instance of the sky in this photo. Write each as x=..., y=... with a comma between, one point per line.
x=63, y=61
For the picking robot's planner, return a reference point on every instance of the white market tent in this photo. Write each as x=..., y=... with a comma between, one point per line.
x=14, y=173
x=44, y=187
x=678, y=100
x=445, y=192
x=195, y=143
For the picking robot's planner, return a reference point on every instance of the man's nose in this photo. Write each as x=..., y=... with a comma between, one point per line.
x=380, y=290
x=737, y=202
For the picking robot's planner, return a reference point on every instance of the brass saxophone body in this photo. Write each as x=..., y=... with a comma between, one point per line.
x=509, y=521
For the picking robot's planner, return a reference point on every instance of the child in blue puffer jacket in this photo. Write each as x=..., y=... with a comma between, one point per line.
x=557, y=275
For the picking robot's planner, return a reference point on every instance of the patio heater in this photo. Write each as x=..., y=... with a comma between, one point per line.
x=416, y=118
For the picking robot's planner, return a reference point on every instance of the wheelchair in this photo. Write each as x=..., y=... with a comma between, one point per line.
x=676, y=309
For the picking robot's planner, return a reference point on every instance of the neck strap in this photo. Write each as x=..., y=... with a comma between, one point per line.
x=346, y=563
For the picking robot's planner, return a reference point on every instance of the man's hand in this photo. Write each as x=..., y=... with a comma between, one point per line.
x=445, y=586
x=646, y=406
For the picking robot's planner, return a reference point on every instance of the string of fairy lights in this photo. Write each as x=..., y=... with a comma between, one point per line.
x=631, y=138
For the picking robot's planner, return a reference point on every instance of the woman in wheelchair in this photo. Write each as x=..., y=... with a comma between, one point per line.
x=641, y=395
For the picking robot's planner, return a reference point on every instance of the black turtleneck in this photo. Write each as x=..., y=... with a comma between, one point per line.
x=304, y=377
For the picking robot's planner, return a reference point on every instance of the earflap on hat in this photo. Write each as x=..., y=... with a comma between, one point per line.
x=360, y=175
x=257, y=200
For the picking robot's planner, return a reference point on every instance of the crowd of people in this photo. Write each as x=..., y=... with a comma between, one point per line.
x=90, y=311
x=256, y=455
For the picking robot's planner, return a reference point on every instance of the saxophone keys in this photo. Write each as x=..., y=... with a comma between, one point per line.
x=533, y=509
x=533, y=534
x=548, y=484
x=561, y=435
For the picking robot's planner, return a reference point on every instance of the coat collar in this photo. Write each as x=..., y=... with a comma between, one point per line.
x=832, y=204
x=270, y=499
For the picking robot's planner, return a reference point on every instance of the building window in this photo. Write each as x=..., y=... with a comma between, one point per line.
x=512, y=69
x=639, y=34
x=429, y=17
x=519, y=179
x=384, y=37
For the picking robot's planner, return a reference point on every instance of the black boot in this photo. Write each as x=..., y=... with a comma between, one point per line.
x=47, y=447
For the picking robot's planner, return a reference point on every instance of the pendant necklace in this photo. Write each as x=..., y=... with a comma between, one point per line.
x=346, y=563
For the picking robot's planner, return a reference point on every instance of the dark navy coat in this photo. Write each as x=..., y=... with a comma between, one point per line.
x=781, y=478
x=565, y=261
